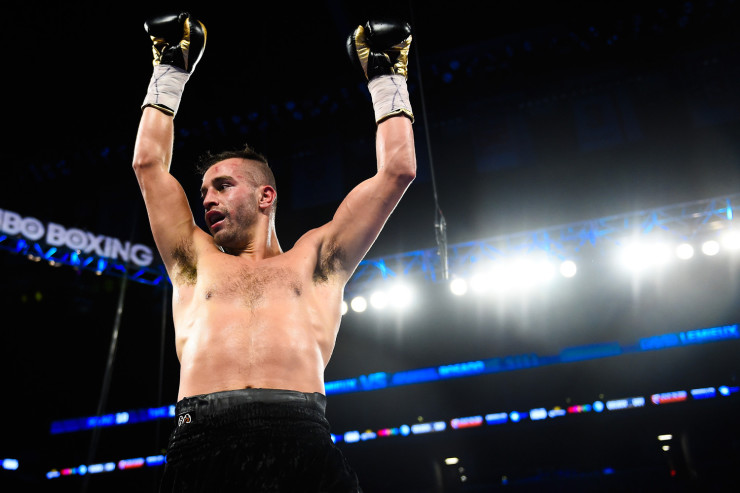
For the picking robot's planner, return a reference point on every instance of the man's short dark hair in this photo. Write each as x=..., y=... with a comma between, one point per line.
x=260, y=172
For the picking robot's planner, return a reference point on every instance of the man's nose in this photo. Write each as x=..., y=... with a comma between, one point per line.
x=209, y=199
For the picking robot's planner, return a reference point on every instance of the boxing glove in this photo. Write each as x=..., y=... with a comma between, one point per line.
x=178, y=42
x=380, y=49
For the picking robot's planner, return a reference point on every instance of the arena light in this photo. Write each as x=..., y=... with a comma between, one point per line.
x=684, y=251
x=359, y=304
x=481, y=283
x=503, y=277
x=710, y=248
x=540, y=271
x=524, y=273
x=568, y=268
x=639, y=256
x=459, y=286
x=731, y=240
x=345, y=307
x=401, y=295
x=379, y=300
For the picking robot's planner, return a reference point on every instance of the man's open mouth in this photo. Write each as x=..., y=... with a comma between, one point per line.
x=213, y=218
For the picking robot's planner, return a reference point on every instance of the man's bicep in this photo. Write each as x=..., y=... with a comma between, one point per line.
x=362, y=215
x=168, y=209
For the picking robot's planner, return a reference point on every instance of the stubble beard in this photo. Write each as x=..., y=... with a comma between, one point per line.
x=236, y=233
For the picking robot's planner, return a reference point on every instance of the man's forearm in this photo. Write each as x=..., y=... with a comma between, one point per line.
x=395, y=147
x=154, y=139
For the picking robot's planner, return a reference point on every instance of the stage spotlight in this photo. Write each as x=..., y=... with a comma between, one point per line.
x=528, y=272
x=459, y=286
x=710, y=248
x=401, y=295
x=543, y=271
x=731, y=240
x=480, y=283
x=379, y=300
x=344, y=307
x=502, y=276
x=684, y=251
x=639, y=256
x=568, y=268
x=359, y=304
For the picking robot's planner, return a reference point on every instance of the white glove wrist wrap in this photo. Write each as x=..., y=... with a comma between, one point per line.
x=165, y=88
x=390, y=97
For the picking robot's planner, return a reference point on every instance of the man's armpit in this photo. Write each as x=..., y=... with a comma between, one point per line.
x=185, y=267
x=329, y=262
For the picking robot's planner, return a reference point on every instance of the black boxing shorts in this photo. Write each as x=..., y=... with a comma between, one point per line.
x=256, y=440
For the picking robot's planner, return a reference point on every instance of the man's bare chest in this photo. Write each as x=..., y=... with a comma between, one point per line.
x=250, y=285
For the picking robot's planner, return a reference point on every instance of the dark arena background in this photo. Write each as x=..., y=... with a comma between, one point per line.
x=578, y=176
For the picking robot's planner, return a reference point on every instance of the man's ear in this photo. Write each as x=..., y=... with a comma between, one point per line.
x=268, y=195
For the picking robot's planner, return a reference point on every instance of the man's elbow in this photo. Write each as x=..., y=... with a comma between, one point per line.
x=406, y=173
x=143, y=163
x=407, y=176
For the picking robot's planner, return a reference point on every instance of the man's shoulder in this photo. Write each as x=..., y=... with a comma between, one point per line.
x=310, y=239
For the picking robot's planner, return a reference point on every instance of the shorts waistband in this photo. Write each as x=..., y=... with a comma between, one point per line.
x=216, y=402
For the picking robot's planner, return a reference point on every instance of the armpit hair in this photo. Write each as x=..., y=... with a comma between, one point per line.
x=329, y=262
x=184, y=258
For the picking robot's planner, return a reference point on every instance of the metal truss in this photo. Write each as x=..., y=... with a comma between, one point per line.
x=701, y=219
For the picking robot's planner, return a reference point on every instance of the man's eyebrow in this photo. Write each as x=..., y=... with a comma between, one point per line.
x=216, y=181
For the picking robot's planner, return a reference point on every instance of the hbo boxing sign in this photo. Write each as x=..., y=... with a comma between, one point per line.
x=56, y=235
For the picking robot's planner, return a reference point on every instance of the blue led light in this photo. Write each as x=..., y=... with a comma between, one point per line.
x=462, y=369
x=598, y=406
x=555, y=413
x=496, y=418
x=514, y=416
x=705, y=393
x=405, y=430
x=341, y=386
x=421, y=428
x=51, y=252
x=538, y=414
x=352, y=436
x=724, y=390
x=10, y=464
x=155, y=460
x=710, y=334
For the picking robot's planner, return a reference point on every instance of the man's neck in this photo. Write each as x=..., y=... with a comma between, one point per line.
x=264, y=246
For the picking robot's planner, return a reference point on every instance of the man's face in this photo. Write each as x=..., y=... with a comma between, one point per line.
x=230, y=202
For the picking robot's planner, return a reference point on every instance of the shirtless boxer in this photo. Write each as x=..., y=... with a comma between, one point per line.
x=255, y=325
